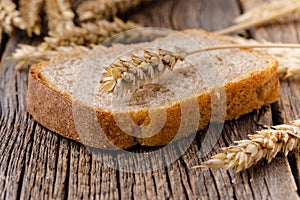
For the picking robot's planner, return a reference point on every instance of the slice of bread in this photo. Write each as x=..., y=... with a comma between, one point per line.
x=64, y=94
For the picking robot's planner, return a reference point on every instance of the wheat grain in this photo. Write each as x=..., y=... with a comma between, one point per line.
x=103, y=9
x=126, y=75
x=60, y=16
x=89, y=33
x=266, y=143
x=273, y=12
x=30, y=12
x=10, y=17
x=289, y=59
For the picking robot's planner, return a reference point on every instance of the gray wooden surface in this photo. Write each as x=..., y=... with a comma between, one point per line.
x=38, y=164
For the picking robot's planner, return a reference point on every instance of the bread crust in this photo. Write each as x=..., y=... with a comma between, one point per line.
x=98, y=128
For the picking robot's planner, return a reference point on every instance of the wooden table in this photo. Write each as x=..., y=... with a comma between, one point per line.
x=38, y=164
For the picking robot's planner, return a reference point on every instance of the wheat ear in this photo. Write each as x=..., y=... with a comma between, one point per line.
x=265, y=144
x=60, y=15
x=266, y=13
x=10, y=17
x=78, y=40
x=89, y=34
x=104, y=9
x=28, y=54
x=124, y=76
x=30, y=11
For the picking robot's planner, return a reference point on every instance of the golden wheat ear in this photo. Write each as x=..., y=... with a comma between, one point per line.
x=30, y=11
x=265, y=144
x=60, y=16
x=92, y=10
x=274, y=12
x=124, y=76
x=10, y=17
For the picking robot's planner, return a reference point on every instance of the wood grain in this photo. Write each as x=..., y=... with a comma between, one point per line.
x=287, y=108
x=38, y=164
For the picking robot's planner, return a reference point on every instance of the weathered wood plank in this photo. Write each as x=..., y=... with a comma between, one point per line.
x=250, y=184
x=288, y=102
x=178, y=14
x=38, y=164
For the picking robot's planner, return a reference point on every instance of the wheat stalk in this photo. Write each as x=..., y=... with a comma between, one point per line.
x=104, y=9
x=30, y=11
x=28, y=54
x=124, y=76
x=265, y=144
x=266, y=13
x=289, y=59
x=10, y=17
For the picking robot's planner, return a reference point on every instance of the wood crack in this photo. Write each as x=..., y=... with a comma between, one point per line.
x=118, y=184
x=3, y=45
x=66, y=183
x=132, y=188
x=56, y=164
x=215, y=183
x=207, y=191
x=250, y=184
x=17, y=106
x=293, y=164
x=183, y=185
x=154, y=182
x=276, y=114
x=267, y=187
x=169, y=185
x=233, y=188
x=21, y=180
x=8, y=152
x=186, y=169
x=29, y=146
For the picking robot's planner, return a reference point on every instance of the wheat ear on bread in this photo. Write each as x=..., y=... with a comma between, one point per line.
x=250, y=82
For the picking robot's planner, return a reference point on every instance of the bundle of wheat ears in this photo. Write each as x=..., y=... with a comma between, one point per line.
x=80, y=28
